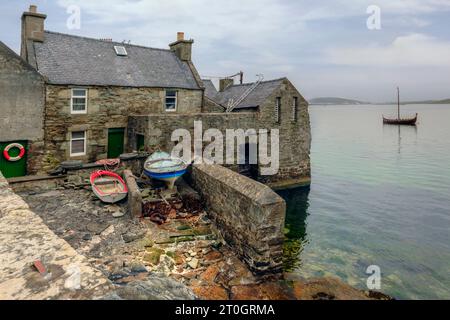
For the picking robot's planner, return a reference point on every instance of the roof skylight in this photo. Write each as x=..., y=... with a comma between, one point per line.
x=120, y=51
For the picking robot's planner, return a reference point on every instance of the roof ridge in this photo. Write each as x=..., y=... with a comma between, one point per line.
x=106, y=41
x=251, y=83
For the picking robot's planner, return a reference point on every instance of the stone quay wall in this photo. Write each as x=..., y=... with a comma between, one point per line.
x=24, y=239
x=249, y=216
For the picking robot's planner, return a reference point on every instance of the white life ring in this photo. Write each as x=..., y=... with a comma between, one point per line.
x=14, y=145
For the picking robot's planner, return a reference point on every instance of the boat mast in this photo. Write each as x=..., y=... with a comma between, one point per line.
x=398, y=103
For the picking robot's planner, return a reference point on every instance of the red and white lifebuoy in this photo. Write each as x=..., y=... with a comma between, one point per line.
x=9, y=147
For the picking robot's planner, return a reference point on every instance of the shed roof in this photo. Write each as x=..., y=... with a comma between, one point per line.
x=257, y=97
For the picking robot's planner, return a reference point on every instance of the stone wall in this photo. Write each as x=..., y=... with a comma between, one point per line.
x=157, y=129
x=295, y=136
x=108, y=107
x=24, y=239
x=294, y=144
x=21, y=105
x=248, y=214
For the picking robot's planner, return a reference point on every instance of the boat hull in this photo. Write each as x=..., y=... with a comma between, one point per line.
x=111, y=198
x=169, y=177
x=164, y=167
x=407, y=122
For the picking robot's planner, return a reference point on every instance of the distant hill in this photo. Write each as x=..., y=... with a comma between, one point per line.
x=445, y=101
x=335, y=101
x=343, y=101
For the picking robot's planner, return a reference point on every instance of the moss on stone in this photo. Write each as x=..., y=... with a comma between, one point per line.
x=153, y=255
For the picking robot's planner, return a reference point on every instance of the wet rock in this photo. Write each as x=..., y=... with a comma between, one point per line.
x=111, y=296
x=97, y=227
x=156, y=287
x=137, y=267
x=213, y=256
x=75, y=180
x=327, y=289
x=132, y=236
x=118, y=214
x=278, y=290
x=210, y=274
x=376, y=295
x=210, y=292
x=87, y=237
x=193, y=263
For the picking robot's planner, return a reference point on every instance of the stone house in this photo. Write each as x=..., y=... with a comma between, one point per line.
x=22, y=113
x=104, y=98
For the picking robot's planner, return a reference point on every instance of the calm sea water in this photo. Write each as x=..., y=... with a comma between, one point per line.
x=380, y=196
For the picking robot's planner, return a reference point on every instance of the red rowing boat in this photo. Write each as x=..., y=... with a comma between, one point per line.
x=108, y=186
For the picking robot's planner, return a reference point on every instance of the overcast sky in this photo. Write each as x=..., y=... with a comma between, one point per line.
x=323, y=46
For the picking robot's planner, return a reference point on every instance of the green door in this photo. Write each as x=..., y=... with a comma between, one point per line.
x=116, y=140
x=11, y=169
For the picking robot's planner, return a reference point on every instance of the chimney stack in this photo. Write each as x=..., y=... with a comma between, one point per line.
x=225, y=83
x=32, y=28
x=182, y=48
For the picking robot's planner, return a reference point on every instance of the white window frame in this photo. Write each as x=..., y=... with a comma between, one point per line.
x=121, y=54
x=277, y=109
x=77, y=139
x=74, y=96
x=294, y=109
x=176, y=101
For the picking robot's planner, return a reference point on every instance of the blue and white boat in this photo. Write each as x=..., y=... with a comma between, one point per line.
x=162, y=166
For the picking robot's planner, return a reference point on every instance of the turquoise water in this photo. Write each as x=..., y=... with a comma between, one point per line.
x=380, y=195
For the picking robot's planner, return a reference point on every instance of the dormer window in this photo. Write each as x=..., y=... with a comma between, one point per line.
x=121, y=51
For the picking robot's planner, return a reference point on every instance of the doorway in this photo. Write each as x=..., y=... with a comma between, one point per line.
x=116, y=141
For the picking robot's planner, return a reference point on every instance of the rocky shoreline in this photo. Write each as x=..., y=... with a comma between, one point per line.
x=184, y=258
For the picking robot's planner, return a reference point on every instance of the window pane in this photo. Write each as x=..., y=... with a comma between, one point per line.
x=171, y=93
x=79, y=104
x=79, y=92
x=171, y=103
x=78, y=135
x=170, y=106
x=78, y=146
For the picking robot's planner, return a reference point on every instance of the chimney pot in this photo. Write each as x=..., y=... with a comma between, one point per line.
x=33, y=8
x=180, y=36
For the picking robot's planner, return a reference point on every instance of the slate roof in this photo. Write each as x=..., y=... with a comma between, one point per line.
x=73, y=60
x=9, y=53
x=257, y=97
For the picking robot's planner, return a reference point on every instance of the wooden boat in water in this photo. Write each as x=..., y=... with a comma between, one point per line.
x=399, y=120
x=108, y=186
x=162, y=166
